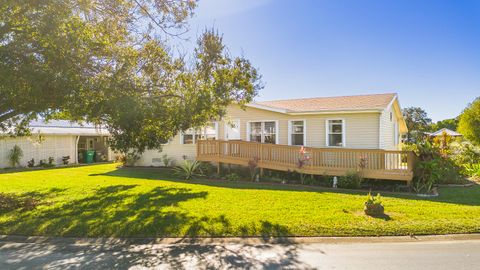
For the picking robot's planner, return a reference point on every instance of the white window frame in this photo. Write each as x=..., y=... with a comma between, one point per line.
x=194, y=133
x=290, y=125
x=344, y=132
x=263, y=129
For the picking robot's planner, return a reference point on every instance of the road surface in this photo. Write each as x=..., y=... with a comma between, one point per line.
x=58, y=254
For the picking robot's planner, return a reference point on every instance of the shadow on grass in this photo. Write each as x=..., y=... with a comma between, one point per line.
x=451, y=195
x=120, y=211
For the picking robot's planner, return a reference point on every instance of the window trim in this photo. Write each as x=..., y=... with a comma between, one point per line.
x=344, y=132
x=194, y=133
x=277, y=129
x=290, y=124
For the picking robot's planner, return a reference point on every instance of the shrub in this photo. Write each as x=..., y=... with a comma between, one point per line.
x=207, y=169
x=31, y=163
x=130, y=159
x=232, y=177
x=66, y=160
x=351, y=180
x=464, y=153
x=188, y=169
x=51, y=160
x=472, y=170
x=15, y=155
x=373, y=205
x=167, y=161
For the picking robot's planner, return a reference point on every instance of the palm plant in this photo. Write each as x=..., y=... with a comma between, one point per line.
x=188, y=169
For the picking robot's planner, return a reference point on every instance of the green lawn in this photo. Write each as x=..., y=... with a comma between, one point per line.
x=101, y=200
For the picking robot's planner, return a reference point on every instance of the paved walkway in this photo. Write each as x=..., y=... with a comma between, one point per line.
x=368, y=253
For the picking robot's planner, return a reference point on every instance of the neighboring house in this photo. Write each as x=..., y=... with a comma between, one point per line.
x=449, y=132
x=57, y=138
x=348, y=122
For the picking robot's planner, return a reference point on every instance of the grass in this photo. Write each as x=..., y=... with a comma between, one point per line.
x=102, y=201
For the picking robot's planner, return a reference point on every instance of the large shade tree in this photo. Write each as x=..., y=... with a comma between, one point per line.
x=469, y=124
x=110, y=62
x=417, y=121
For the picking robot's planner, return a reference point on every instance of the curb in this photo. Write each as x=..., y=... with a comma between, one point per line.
x=237, y=240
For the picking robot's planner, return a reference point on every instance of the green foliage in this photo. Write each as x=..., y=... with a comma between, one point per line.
x=469, y=124
x=167, y=161
x=464, y=153
x=451, y=124
x=351, y=180
x=427, y=173
x=15, y=155
x=31, y=163
x=188, y=170
x=130, y=159
x=232, y=177
x=472, y=170
x=373, y=205
x=207, y=169
x=417, y=122
x=110, y=63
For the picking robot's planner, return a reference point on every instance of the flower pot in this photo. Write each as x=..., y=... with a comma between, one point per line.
x=374, y=209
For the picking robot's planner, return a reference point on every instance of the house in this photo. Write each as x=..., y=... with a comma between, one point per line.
x=371, y=123
x=449, y=132
x=57, y=139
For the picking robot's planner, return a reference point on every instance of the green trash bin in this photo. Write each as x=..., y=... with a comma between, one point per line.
x=88, y=156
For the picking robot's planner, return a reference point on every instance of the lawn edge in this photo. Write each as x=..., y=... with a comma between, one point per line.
x=237, y=240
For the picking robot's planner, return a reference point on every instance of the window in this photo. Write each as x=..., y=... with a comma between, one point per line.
x=187, y=136
x=263, y=132
x=209, y=132
x=335, y=133
x=297, y=132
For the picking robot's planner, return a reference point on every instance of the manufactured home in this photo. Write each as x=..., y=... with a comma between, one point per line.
x=338, y=133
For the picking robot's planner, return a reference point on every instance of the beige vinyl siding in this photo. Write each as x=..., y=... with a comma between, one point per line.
x=55, y=146
x=387, y=126
x=361, y=132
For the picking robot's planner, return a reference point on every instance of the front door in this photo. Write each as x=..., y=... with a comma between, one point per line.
x=232, y=130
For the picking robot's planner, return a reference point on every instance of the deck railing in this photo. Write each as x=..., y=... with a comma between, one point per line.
x=377, y=164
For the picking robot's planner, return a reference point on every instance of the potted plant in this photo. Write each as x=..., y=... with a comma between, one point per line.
x=373, y=205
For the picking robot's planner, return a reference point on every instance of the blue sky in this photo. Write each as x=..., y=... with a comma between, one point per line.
x=427, y=51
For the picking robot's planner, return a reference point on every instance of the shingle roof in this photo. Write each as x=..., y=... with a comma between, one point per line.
x=320, y=104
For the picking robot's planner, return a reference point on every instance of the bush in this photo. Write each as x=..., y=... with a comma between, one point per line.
x=351, y=180
x=167, y=161
x=65, y=160
x=464, y=153
x=373, y=206
x=130, y=159
x=15, y=155
x=207, y=169
x=189, y=169
x=472, y=170
x=31, y=163
x=232, y=177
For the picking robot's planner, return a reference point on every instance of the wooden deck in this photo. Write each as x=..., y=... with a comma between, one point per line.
x=375, y=164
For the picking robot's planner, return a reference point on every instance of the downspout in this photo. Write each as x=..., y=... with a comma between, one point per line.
x=76, y=149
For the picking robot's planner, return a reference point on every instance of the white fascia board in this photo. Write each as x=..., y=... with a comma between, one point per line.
x=267, y=108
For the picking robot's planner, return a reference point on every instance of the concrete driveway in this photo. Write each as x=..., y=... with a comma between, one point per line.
x=367, y=253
